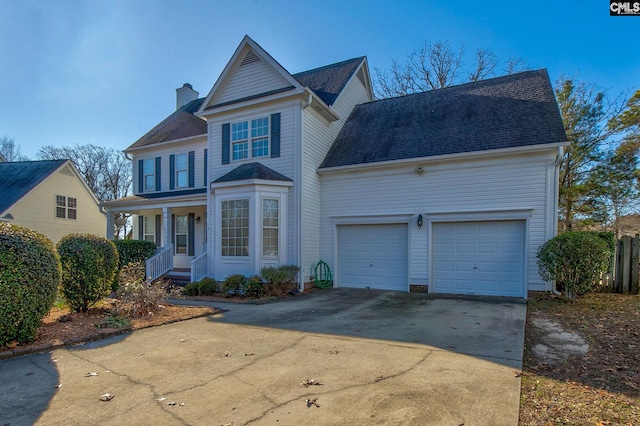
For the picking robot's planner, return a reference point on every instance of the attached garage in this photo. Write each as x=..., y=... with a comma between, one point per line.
x=373, y=256
x=480, y=258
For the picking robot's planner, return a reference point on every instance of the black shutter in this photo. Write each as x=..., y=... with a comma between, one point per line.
x=158, y=169
x=140, y=176
x=226, y=142
x=141, y=227
x=192, y=233
x=158, y=230
x=192, y=169
x=172, y=171
x=275, y=135
x=206, y=164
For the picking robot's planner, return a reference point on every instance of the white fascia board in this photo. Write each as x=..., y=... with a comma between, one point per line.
x=152, y=203
x=251, y=102
x=249, y=182
x=166, y=143
x=422, y=161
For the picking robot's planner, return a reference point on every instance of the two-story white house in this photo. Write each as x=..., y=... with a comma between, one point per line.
x=451, y=190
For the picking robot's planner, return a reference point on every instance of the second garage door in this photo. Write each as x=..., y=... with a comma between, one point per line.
x=373, y=256
x=484, y=258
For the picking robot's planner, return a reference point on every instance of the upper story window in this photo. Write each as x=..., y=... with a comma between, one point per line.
x=182, y=171
x=66, y=207
x=259, y=140
x=149, y=168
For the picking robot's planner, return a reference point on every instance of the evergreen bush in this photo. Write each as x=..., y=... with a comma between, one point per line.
x=29, y=279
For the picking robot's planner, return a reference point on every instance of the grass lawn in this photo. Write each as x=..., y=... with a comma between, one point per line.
x=599, y=388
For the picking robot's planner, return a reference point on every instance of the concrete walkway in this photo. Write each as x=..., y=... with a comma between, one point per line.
x=379, y=358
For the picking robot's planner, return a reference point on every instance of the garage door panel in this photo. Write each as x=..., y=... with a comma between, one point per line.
x=380, y=259
x=485, y=258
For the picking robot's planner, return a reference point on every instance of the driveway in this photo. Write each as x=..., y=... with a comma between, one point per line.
x=369, y=357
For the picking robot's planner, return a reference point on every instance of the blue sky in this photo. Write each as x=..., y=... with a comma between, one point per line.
x=105, y=72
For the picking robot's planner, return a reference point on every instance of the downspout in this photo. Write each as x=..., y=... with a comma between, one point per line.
x=556, y=187
x=309, y=100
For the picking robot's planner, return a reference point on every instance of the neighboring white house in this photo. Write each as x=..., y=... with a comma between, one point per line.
x=50, y=197
x=449, y=191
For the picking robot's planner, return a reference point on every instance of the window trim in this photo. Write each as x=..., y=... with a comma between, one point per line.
x=185, y=170
x=145, y=175
x=245, y=140
x=275, y=227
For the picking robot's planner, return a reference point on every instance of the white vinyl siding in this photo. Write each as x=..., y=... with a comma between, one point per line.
x=318, y=135
x=516, y=183
x=251, y=79
x=198, y=145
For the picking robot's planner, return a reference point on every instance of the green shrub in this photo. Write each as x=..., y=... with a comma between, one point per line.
x=281, y=280
x=191, y=289
x=254, y=287
x=88, y=267
x=29, y=279
x=132, y=251
x=575, y=260
x=207, y=287
x=233, y=285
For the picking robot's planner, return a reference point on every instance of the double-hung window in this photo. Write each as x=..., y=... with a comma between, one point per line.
x=240, y=140
x=255, y=133
x=149, y=229
x=269, y=227
x=235, y=227
x=66, y=207
x=149, y=168
x=182, y=171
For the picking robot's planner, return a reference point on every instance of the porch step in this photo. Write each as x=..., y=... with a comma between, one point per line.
x=177, y=277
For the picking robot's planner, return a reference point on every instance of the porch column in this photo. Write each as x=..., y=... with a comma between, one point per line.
x=110, y=224
x=166, y=226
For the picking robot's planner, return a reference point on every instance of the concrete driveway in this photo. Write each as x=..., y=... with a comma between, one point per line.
x=378, y=358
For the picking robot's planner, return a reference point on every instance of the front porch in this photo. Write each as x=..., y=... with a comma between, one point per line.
x=178, y=227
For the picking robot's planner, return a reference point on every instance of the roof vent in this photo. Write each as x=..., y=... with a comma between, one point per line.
x=250, y=58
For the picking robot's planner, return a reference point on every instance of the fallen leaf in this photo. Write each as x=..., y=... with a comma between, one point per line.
x=311, y=402
x=90, y=374
x=107, y=397
x=312, y=382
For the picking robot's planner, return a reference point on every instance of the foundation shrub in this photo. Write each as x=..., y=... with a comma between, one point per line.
x=281, y=280
x=254, y=287
x=233, y=285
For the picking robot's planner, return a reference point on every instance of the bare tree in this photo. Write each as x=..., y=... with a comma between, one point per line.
x=437, y=65
x=105, y=170
x=10, y=150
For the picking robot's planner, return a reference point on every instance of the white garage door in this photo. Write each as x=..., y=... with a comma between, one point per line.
x=484, y=258
x=373, y=256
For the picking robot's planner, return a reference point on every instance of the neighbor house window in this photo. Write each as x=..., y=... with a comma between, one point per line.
x=182, y=234
x=269, y=227
x=149, y=229
x=149, y=167
x=240, y=140
x=235, y=228
x=259, y=140
x=182, y=171
x=66, y=207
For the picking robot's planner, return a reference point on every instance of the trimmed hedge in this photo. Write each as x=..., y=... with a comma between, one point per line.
x=134, y=251
x=575, y=260
x=89, y=264
x=29, y=279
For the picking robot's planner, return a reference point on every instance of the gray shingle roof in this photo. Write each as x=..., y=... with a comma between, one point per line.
x=18, y=178
x=252, y=171
x=327, y=82
x=181, y=124
x=504, y=112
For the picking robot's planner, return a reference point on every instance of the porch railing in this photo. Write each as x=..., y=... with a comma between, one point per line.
x=159, y=264
x=199, y=267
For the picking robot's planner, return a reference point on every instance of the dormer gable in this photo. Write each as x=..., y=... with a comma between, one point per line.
x=251, y=73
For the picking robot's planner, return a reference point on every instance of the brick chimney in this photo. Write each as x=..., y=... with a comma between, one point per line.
x=184, y=95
